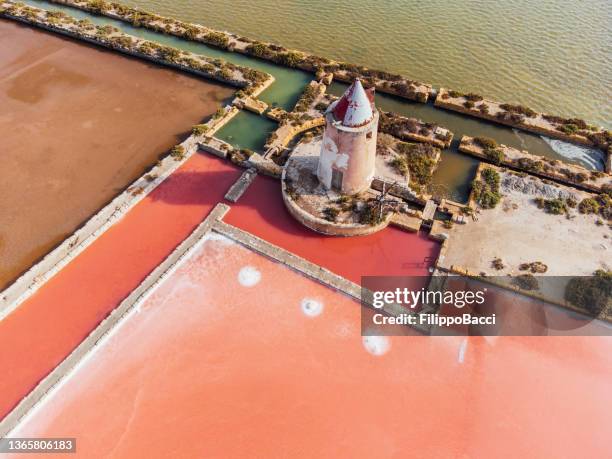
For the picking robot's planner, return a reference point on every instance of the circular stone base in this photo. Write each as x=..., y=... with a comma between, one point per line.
x=322, y=210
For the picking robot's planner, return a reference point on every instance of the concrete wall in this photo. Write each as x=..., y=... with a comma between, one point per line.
x=330, y=228
x=350, y=151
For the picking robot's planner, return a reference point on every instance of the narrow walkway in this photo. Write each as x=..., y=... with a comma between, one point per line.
x=42, y=331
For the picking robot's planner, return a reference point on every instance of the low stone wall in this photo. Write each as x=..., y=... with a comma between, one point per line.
x=33, y=279
x=264, y=166
x=384, y=81
x=29, y=282
x=537, y=123
x=409, y=223
x=324, y=226
x=287, y=132
x=330, y=228
x=202, y=66
x=252, y=104
x=412, y=129
x=575, y=175
x=120, y=313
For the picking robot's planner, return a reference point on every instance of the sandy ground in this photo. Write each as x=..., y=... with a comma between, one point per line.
x=517, y=231
x=226, y=359
x=78, y=125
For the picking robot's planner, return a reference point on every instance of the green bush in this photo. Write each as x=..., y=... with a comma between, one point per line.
x=529, y=164
x=588, y=206
x=178, y=152
x=217, y=39
x=369, y=214
x=569, y=129
x=519, y=109
x=534, y=267
x=330, y=214
x=168, y=53
x=489, y=199
x=258, y=49
x=485, y=142
x=491, y=177
x=400, y=164
x=420, y=159
x=289, y=59
x=591, y=293
x=495, y=155
x=526, y=282
x=473, y=97
x=199, y=129
x=190, y=32
x=486, y=191
x=555, y=206
x=98, y=6
x=498, y=264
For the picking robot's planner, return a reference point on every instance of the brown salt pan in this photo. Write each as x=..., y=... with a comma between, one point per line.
x=78, y=124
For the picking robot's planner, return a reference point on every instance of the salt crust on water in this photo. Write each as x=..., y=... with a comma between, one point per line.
x=376, y=345
x=249, y=276
x=311, y=307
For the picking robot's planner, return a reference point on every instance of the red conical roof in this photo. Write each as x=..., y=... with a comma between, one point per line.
x=356, y=106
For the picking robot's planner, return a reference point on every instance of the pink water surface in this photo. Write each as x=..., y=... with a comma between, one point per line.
x=390, y=252
x=222, y=361
x=46, y=328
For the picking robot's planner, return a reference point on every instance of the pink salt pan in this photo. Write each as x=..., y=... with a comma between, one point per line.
x=209, y=367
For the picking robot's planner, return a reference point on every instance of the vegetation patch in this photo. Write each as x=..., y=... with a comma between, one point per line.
x=530, y=165
x=599, y=205
x=370, y=213
x=490, y=149
x=535, y=267
x=200, y=129
x=526, y=282
x=308, y=96
x=417, y=159
x=178, y=152
x=591, y=294
x=498, y=264
x=331, y=214
x=486, y=189
x=519, y=109
x=485, y=142
x=555, y=206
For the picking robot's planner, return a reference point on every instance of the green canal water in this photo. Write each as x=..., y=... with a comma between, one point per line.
x=247, y=130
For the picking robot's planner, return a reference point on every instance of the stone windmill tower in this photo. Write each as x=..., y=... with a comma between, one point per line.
x=348, y=151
